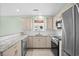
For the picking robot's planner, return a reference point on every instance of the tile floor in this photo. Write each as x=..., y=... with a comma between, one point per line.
x=39, y=52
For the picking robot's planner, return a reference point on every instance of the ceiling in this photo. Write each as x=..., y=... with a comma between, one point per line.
x=12, y=9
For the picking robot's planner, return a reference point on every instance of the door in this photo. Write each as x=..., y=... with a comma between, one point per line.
x=77, y=30
x=69, y=31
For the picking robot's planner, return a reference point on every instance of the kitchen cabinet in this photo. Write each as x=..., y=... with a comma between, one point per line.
x=50, y=23
x=27, y=23
x=30, y=42
x=14, y=50
x=35, y=42
x=39, y=42
x=48, y=42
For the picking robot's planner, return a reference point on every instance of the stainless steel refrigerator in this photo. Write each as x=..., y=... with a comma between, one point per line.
x=71, y=31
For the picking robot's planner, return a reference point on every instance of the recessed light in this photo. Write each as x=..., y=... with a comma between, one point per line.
x=35, y=9
x=18, y=10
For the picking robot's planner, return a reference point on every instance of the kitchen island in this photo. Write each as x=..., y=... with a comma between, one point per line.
x=11, y=46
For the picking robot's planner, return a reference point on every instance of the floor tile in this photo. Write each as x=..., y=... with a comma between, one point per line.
x=39, y=52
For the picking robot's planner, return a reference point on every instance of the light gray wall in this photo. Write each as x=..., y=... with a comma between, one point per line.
x=9, y=25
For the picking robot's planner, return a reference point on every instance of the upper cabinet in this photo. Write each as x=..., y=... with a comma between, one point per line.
x=26, y=23
x=49, y=23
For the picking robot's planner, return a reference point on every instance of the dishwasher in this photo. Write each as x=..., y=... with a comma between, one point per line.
x=23, y=47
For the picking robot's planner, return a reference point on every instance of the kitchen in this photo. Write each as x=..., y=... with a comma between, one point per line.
x=32, y=29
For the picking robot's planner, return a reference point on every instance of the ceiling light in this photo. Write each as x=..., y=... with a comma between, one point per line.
x=35, y=9
x=18, y=10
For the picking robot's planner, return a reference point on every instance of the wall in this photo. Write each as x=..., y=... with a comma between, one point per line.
x=59, y=15
x=9, y=25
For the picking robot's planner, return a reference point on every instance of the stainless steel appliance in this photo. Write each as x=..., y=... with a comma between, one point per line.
x=23, y=47
x=71, y=31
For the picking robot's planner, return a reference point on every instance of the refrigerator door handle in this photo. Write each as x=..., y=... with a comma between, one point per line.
x=77, y=8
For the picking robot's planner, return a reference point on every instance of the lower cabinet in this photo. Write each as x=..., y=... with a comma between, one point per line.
x=48, y=42
x=30, y=42
x=39, y=42
x=13, y=51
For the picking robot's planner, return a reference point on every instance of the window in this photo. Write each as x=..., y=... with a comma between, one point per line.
x=39, y=23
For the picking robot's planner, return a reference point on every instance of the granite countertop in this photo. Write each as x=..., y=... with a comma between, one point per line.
x=38, y=33
x=5, y=44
